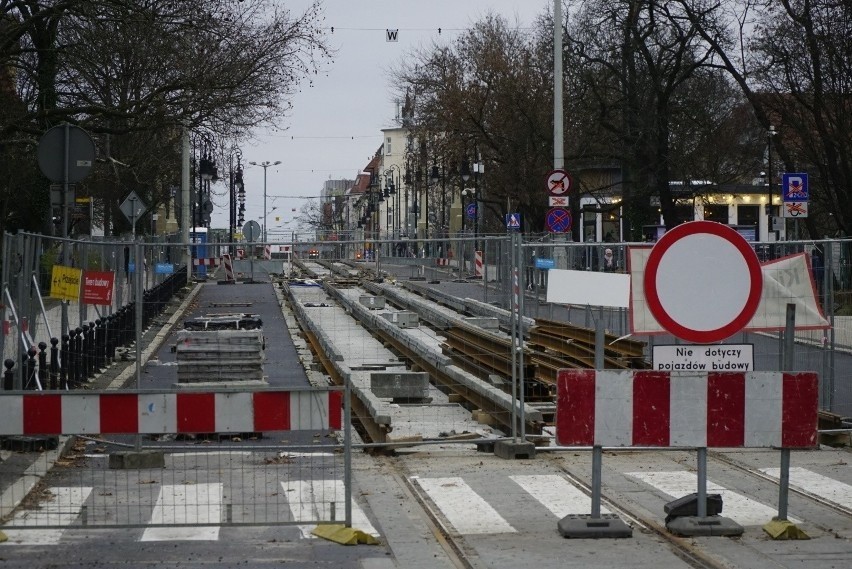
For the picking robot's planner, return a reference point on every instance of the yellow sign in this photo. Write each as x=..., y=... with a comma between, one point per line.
x=65, y=283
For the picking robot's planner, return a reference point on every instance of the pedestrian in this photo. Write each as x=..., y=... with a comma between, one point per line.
x=818, y=269
x=609, y=263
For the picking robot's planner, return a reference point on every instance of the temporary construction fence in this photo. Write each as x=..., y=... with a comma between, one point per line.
x=440, y=269
x=69, y=307
x=268, y=457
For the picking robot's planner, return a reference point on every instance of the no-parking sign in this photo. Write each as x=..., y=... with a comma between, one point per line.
x=558, y=220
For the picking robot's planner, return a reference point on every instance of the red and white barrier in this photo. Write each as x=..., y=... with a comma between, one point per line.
x=683, y=409
x=440, y=262
x=477, y=258
x=267, y=252
x=164, y=413
x=209, y=262
x=229, y=267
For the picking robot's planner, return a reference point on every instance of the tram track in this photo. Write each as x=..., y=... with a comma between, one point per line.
x=739, y=466
x=684, y=548
x=462, y=548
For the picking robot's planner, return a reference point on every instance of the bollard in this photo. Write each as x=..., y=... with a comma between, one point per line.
x=72, y=358
x=63, y=363
x=90, y=350
x=54, y=363
x=110, y=324
x=9, y=375
x=42, y=365
x=77, y=348
x=148, y=306
x=30, y=367
x=131, y=323
x=123, y=323
x=100, y=343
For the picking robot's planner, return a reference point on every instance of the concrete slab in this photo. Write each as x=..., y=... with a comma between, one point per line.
x=513, y=450
x=137, y=460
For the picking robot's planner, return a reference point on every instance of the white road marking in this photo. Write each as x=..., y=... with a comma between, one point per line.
x=62, y=510
x=464, y=509
x=313, y=501
x=679, y=483
x=557, y=494
x=813, y=483
x=186, y=504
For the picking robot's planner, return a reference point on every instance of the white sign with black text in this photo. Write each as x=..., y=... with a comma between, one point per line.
x=698, y=357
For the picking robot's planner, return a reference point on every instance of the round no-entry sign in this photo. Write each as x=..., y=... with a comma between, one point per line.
x=703, y=281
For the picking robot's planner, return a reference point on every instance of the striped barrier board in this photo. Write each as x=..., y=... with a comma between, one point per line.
x=229, y=267
x=441, y=262
x=686, y=409
x=208, y=262
x=477, y=259
x=46, y=413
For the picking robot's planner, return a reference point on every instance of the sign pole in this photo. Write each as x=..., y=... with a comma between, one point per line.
x=63, y=257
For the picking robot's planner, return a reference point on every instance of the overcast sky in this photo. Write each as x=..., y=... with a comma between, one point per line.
x=335, y=125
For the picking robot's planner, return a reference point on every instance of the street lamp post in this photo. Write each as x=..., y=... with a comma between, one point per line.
x=392, y=185
x=465, y=176
x=435, y=177
x=265, y=164
x=478, y=168
x=769, y=134
x=237, y=191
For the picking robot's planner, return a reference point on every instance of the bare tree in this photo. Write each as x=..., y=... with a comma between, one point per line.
x=645, y=75
x=793, y=62
x=118, y=67
x=486, y=95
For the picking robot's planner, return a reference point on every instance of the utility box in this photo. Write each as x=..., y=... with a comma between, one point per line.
x=372, y=302
x=403, y=318
x=400, y=386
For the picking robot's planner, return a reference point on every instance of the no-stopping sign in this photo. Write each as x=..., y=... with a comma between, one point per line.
x=703, y=281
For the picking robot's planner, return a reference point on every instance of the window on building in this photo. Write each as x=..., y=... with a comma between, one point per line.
x=388, y=147
x=684, y=210
x=610, y=227
x=748, y=215
x=590, y=224
x=716, y=212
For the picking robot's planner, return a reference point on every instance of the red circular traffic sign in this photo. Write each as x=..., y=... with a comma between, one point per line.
x=703, y=281
x=558, y=220
x=559, y=182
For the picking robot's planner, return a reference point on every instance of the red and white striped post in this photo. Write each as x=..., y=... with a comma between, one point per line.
x=229, y=267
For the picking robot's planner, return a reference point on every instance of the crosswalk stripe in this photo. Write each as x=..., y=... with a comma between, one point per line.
x=739, y=508
x=312, y=500
x=814, y=483
x=61, y=510
x=464, y=509
x=186, y=504
x=556, y=494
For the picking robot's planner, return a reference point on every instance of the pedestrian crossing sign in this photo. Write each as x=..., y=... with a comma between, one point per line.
x=513, y=221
